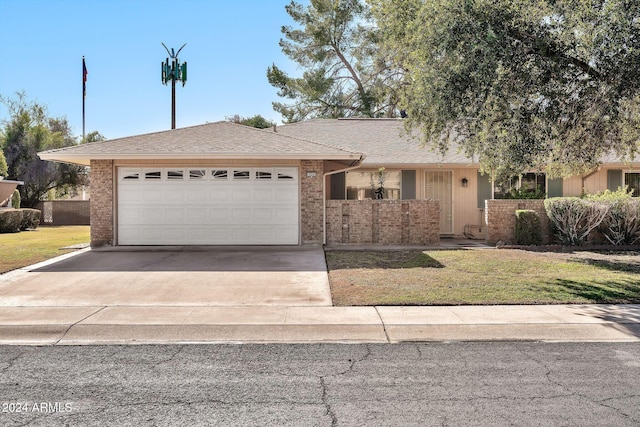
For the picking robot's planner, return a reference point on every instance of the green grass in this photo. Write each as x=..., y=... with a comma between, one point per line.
x=456, y=277
x=28, y=247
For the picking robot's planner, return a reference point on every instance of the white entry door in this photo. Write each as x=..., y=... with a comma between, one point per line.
x=439, y=186
x=208, y=206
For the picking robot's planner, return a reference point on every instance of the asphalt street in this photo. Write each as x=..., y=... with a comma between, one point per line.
x=426, y=384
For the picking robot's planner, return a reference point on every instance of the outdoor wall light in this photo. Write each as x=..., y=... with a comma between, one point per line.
x=465, y=182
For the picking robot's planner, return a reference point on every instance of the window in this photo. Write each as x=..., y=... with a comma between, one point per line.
x=153, y=175
x=241, y=174
x=220, y=174
x=263, y=174
x=371, y=184
x=195, y=174
x=528, y=183
x=175, y=174
x=131, y=176
x=284, y=176
x=632, y=181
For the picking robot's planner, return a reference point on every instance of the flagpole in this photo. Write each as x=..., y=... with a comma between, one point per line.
x=84, y=93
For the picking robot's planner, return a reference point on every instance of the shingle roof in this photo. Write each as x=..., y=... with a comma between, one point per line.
x=383, y=141
x=219, y=140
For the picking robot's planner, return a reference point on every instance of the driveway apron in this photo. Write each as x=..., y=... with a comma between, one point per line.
x=175, y=276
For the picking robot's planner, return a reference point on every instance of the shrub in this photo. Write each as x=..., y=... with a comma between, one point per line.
x=528, y=228
x=30, y=219
x=621, y=225
x=522, y=193
x=573, y=218
x=15, y=199
x=10, y=220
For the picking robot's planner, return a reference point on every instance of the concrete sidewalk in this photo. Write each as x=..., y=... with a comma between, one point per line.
x=30, y=314
x=260, y=324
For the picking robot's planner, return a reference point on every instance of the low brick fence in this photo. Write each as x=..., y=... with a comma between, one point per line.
x=383, y=222
x=500, y=217
x=64, y=212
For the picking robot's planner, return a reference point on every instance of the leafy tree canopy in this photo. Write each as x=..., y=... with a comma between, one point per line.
x=334, y=42
x=520, y=84
x=27, y=131
x=94, y=136
x=256, y=121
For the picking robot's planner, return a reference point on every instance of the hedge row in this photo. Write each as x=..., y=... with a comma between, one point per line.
x=14, y=220
x=615, y=215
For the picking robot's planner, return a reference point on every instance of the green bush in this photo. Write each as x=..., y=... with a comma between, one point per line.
x=522, y=193
x=573, y=219
x=528, y=228
x=621, y=225
x=10, y=220
x=30, y=219
x=15, y=199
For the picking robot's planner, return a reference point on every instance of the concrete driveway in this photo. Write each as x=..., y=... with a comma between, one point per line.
x=185, y=276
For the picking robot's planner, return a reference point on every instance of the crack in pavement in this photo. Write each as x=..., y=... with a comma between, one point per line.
x=327, y=405
x=11, y=362
x=171, y=357
x=325, y=389
x=573, y=393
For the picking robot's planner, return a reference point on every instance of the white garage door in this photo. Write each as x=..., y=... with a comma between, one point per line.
x=208, y=206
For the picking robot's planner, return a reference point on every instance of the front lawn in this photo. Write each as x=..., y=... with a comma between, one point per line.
x=29, y=247
x=489, y=276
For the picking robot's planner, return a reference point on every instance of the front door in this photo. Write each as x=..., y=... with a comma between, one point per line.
x=439, y=186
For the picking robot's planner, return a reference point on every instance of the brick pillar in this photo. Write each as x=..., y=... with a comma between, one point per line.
x=101, y=204
x=311, y=202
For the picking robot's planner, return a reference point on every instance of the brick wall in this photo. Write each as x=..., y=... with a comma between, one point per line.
x=383, y=222
x=101, y=202
x=500, y=217
x=311, y=201
x=64, y=212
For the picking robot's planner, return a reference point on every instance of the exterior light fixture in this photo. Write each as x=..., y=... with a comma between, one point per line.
x=465, y=182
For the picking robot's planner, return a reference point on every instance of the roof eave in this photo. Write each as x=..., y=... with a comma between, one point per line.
x=84, y=159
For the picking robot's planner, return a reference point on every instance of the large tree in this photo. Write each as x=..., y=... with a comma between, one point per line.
x=335, y=43
x=27, y=131
x=256, y=121
x=521, y=84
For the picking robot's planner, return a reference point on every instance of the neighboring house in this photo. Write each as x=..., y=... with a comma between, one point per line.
x=227, y=184
x=7, y=188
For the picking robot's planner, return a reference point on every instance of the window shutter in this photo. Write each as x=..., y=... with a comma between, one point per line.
x=554, y=187
x=338, y=186
x=484, y=189
x=408, y=184
x=614, y=179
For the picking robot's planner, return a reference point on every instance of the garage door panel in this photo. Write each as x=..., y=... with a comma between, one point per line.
x=133, y=215
x=152, y=195
x=263, y=194
x=256, y=208
x=131, y=195
x=197, y=214
x=196, y=195
x=241, y=215
x=153, y=215
x=242, y=195
x=263, y=215
x=174, y=195
x=218, y=195
x=175, y=215
x=286, y=195
x=220, y=215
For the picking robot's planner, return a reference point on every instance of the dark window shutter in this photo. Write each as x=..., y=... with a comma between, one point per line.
x=554, y=187
x=484, y=189
x=614, y=179
x=338, y=186
x=408, y=184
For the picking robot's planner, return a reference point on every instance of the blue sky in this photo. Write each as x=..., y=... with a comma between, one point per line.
x=230, y=44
